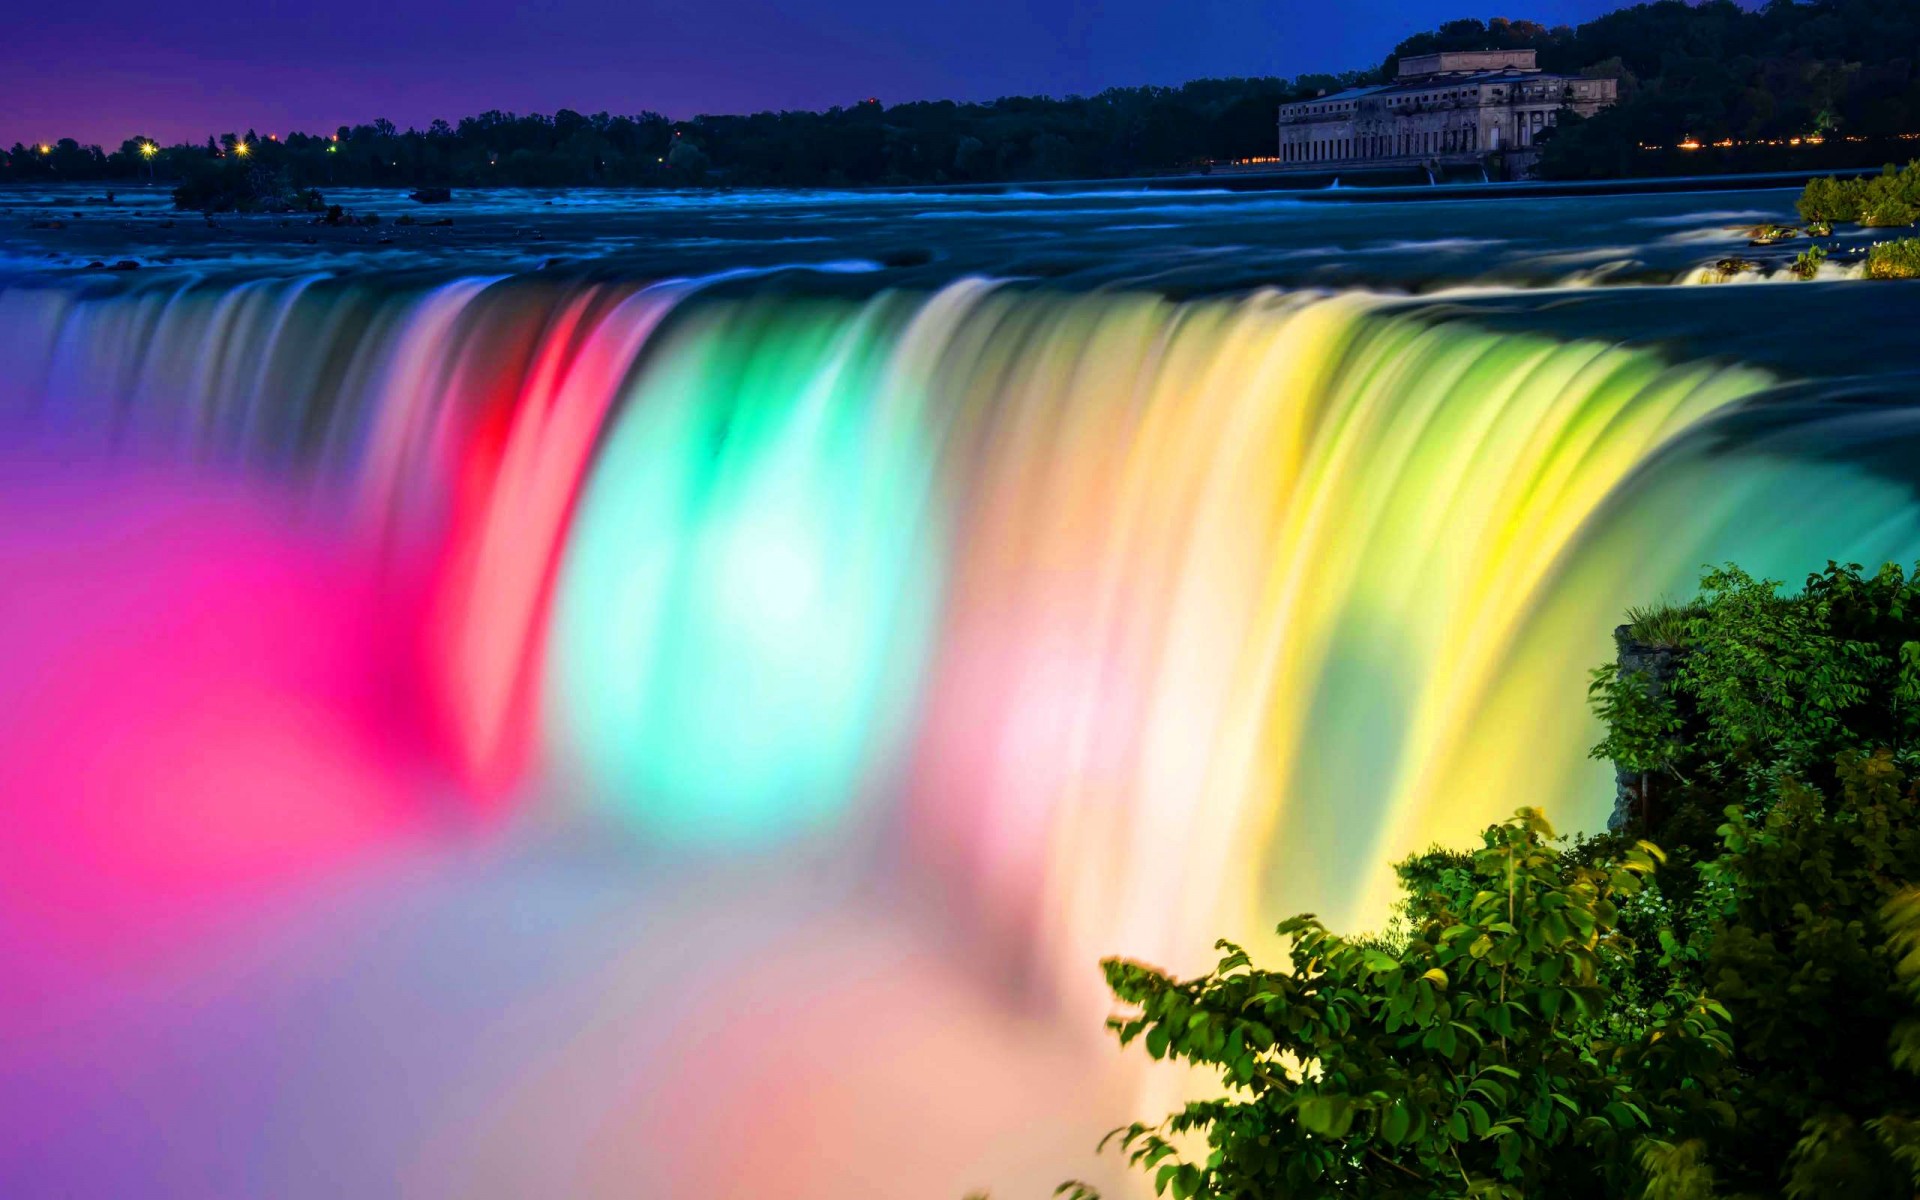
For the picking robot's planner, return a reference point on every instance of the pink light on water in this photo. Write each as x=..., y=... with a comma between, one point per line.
x=197, y=706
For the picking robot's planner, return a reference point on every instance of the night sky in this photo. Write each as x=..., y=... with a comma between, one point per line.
x=102, y=70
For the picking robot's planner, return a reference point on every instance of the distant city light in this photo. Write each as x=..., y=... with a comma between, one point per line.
x=45, y=149
x=1812, y=139
x=333, y=149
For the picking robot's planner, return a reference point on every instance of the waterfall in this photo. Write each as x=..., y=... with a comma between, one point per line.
x=1101, y=623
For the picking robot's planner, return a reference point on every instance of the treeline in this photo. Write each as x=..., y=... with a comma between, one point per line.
x=1120, y=132
x=1843, y=71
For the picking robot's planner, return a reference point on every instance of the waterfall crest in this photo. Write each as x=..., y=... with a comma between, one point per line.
x=1119, y=623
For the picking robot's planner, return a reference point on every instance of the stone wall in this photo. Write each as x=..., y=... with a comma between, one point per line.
x=1635, y=794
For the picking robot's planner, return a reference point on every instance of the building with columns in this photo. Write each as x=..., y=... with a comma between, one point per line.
x=1456, y=107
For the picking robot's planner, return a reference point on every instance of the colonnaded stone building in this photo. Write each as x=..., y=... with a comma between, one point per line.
x=1451, y=108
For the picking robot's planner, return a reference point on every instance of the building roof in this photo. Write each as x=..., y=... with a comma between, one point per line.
x=1445, y=62
x=1427, y=83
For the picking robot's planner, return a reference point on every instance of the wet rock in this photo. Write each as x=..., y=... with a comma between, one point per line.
x=432, y=195
x=125, y=264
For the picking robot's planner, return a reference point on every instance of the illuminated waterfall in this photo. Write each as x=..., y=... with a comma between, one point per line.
x=1107, y=623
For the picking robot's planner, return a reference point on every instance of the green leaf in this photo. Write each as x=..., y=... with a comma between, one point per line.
x=1396, y=1123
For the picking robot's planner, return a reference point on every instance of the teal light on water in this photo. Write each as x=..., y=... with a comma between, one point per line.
x=744, y=608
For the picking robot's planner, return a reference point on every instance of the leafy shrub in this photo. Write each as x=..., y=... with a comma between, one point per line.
x=1806, y=264
x=1883, y=209
x=1744, y=1022
x=1468, y=1061
x=1894, y=260
x=1889, y=199
x=1829, y=200
x=1667, y=626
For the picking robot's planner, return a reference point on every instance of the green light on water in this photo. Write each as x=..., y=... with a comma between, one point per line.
x=744, y=609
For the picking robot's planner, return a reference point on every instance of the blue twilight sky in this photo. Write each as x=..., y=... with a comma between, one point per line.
x=101, y=70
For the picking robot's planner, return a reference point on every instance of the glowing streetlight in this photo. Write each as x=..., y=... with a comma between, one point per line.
x=242, y=149
x=45, y=149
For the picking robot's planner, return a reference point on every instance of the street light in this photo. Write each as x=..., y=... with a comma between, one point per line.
x=242, y=149
x=147, y=151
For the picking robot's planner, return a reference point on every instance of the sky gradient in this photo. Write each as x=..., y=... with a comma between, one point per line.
x=103, y=70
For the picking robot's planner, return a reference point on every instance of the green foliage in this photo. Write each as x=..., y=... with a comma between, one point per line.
x=1469, y=1061
x=1667, y=626
x=1735, y=1015
x=1641, y=721
x=1786, y=796
x=1806, y=265
x=1886, y=200
x=1881, y=209
x=1829, y=200
x=1894, y=260
x=1762, y=76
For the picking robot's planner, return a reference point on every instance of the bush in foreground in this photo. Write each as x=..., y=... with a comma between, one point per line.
x=1894, y=260
x=1888, y=200
x=1471, y=1058
x=1736, y=1015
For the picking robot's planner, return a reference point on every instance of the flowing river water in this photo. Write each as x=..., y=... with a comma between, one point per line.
x=674, y=696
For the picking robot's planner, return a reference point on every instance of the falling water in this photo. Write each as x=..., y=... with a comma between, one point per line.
x=1088, y=624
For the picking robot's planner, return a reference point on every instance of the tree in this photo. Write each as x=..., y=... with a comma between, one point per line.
x=1736, y=1014
x=1786, y=788
x=1469, y=1057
